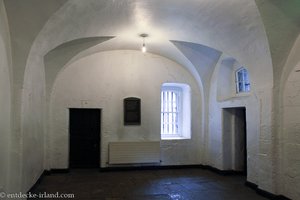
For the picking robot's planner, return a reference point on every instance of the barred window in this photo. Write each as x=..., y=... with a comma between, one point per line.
x=175, y=111
x=170, y=111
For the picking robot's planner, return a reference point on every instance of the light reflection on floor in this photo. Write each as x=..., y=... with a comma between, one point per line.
x=179, y=184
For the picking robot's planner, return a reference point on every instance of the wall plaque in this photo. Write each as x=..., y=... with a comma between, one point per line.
x=132, y=111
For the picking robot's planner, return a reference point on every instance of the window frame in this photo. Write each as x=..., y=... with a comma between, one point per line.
x=184, y=111
x=245, y=82
x=178, y=96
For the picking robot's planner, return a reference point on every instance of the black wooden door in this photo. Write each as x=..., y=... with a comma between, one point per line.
x=84, y=138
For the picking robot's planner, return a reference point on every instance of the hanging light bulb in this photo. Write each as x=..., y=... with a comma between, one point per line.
x=144, y=49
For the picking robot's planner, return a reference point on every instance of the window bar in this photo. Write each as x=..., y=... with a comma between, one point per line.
x=170, y=111
x=169, y=123
x=163, y=111
x=173, y=113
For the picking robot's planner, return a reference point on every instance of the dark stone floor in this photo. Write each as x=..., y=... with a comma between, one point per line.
x=173, y=184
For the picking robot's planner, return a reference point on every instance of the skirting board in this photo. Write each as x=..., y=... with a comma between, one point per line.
x=265, y=193
x=155, y=167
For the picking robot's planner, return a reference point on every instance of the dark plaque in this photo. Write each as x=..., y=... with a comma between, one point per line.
x=132, y=111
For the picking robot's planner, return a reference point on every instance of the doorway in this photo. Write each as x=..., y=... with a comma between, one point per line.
x=235, y=139
x=84, y=128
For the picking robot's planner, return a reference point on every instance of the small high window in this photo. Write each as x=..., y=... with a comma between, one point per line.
x=175, y=111
x=242, y=80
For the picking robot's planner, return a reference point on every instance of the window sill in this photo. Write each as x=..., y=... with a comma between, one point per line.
x=242, y=94
x=175, y=138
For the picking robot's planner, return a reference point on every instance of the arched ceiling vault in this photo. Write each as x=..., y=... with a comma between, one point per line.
x=26, y=19
x=58, y=57
x=282, y=23
x=230, y=26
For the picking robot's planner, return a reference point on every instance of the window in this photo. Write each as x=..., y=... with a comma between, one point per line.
x=170, y=111
x=242, y=80
x=175, y=111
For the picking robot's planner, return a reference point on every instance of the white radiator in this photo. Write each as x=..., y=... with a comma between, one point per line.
x=134, y=152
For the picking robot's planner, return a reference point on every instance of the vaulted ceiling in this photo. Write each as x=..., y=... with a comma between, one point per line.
x=282, y=23
x=208, y=27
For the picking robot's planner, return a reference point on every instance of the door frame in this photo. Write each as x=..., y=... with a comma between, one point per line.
x=100, y=134
x=245, y=169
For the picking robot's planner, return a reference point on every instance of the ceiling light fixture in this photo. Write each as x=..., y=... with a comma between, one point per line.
x=144, y=35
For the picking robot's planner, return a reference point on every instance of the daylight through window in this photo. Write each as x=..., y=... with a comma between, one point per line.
x=170, y=111
x=175, y=111
x=242, y=80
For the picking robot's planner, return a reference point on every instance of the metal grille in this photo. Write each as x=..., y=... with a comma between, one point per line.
x=170, y=112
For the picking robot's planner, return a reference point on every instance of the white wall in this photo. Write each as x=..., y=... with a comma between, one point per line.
x=21, y=148
x=32, y=126
x=258, y=111
x=230, y=34
x=5, y=99
x=103, y=80
x=290, y=125
x=291, y=135
x=226, y=79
